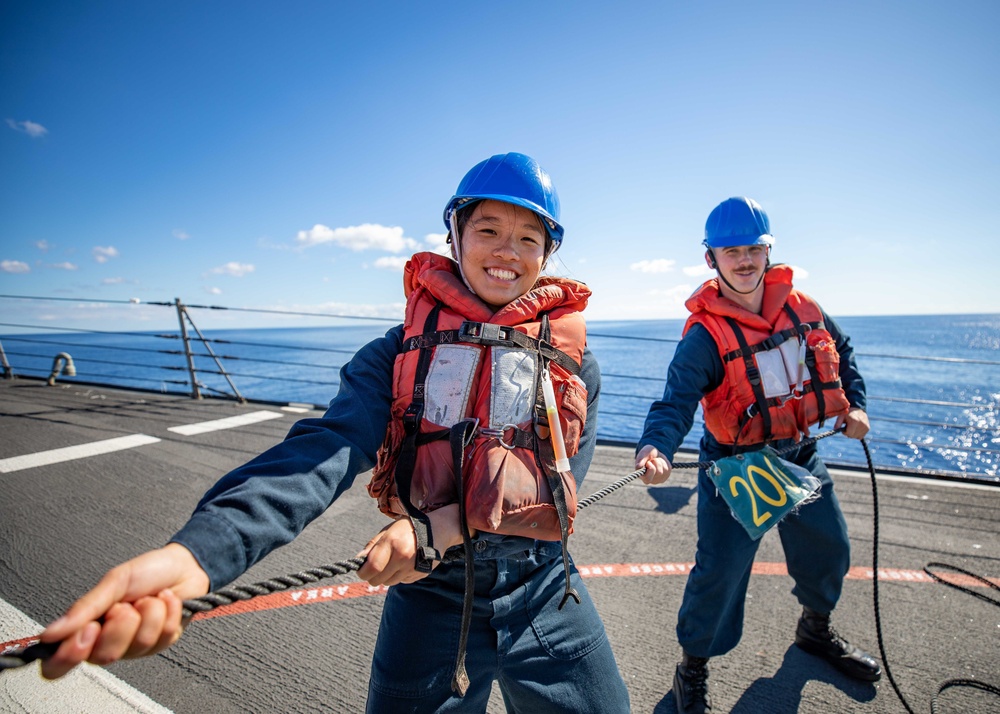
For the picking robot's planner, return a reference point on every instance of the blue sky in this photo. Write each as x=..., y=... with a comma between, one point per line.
x=291, y=155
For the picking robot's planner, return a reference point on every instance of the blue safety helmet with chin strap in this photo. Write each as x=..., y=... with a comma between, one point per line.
x=737, y=221
x=511, y=178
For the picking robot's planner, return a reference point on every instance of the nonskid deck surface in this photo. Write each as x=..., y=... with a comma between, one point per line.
x=91, y=476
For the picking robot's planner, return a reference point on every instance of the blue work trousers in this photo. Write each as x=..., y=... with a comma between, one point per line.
x=817, y=553
x=543, y=658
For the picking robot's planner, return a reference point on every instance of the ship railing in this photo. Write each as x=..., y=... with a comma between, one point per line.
x=210, y=368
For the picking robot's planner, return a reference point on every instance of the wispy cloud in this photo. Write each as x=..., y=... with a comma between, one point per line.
x=667, y=297
x=42, y=245
x=181, y=234
x=237, y=270
x=213, y=291
x=102, y=254
x=65, y=265
x=118, y=281
x=660, y=265
x=697, y=271
x=14, y=266
x=30, y=128
x=799, y=273
x=391, y=262
x=438, y=243
x=367, y=236
x=434, y=242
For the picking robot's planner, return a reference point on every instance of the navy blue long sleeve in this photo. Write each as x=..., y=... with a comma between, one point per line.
x=267, y=502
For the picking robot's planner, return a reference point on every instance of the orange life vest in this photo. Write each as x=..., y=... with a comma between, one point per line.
x=461, y=361
x=741, y=410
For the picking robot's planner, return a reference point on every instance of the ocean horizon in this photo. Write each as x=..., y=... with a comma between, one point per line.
x=933, y=380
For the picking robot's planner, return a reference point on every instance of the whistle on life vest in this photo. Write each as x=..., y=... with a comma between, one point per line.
x=555, y=427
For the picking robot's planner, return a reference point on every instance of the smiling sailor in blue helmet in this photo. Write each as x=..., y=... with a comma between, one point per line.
x=464, y=385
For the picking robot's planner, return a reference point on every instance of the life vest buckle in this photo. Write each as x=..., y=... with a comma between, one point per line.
x=483, y=333
x=794, y=396
x=500, y=433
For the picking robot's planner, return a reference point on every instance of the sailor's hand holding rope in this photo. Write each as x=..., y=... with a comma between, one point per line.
x=391, y=556
x=854, y=424
x=657, y=467
x=134, y=611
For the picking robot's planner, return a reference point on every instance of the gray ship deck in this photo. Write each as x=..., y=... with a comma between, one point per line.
x=66, y=516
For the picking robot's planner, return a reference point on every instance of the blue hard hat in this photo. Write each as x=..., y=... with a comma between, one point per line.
x=737, y=221
x=511, y=178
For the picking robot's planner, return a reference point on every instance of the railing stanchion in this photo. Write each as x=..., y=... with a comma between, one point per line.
x=222, y=369
x=8, y=373
x=181, y=312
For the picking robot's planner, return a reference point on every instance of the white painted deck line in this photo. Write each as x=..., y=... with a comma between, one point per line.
x=86, y=689
x=70, y=453
x=227, y=423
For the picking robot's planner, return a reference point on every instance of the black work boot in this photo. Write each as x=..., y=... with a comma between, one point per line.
x=815, y=636
x=691, y=685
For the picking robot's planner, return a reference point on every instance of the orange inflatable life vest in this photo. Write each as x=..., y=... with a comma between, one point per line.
x=462, y=361
x=782, y=368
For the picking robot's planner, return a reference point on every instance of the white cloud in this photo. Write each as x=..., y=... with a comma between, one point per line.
x=660, y=265
x=180, y=234
x=42, y=245
x=14, y=266
x=28, y=127
x=697, y=271
x=237, y=270
x=65, y=265
x=104, y=254
x=213, y=291
x=391, y=262
x=438, y=243
x=799, y=273
x=364, y=237
x=113, y=281
x=436, y=240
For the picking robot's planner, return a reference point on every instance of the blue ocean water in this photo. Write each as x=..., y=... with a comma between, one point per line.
x=933, y=381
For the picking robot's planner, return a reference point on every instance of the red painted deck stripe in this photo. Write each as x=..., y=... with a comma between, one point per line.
x=306, y=596
x=329, y=593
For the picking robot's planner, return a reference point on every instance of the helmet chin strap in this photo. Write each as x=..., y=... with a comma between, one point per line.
x=741, y=292
x=456, y=243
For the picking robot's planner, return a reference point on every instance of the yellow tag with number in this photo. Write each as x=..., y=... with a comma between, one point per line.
x=760, y=488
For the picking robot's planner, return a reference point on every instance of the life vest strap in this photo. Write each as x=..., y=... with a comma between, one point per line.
x=405, y=464
x=545, y=457
x=492, y=335
x=775, y=340
x=510, y=436
x=811, y=366
x=754, y=409
x=461, y=437
x=753, y=375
